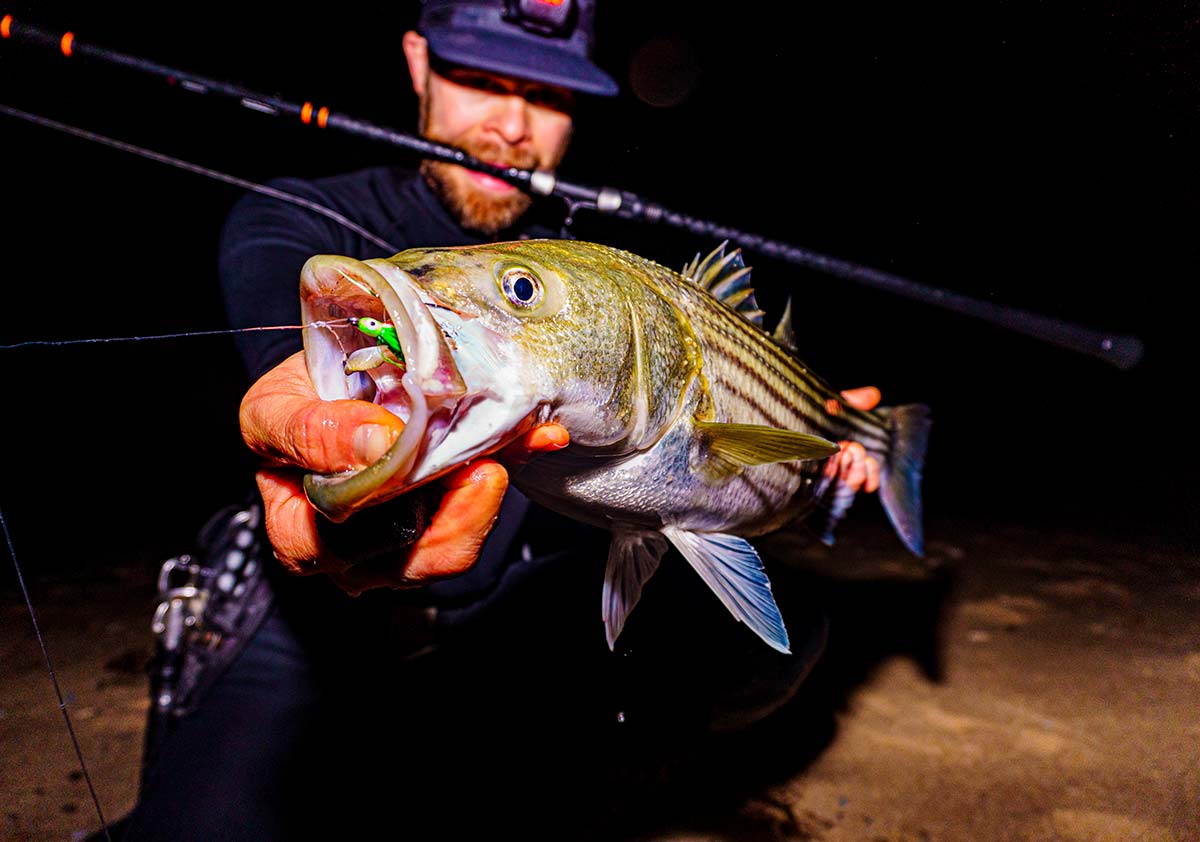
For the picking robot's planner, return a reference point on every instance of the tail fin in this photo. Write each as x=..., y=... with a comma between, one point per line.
x=900, y=486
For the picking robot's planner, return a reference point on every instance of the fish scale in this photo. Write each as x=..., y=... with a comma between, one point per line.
x=780, y=378
x=688, y=422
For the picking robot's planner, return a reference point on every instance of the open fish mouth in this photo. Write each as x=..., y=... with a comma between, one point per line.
x=423, y=385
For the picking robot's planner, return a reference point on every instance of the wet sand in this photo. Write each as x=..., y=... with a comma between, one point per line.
x=1024, y=684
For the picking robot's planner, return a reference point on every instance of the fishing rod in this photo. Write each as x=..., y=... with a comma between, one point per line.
x=1122, y=351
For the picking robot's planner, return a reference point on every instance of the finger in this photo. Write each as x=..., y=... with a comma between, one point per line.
x=284, y=420
x=291, y=524
x=872, y=483
x=852, y=471
x=546, y=437
x=833, y=466
x=541, y=439
x=453, y=540
x=468, y=510
x=864, y=397
x=843, y=460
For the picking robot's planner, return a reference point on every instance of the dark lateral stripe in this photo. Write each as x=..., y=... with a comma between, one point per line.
x=720, y=329
x=769, y=491
x=732, y=328
x=783, y=413
x=786, y=411
x=766, y=493
x=728, y=345
x=752, y=365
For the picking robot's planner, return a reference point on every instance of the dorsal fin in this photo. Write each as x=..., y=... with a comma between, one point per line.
x=784, y=334
x=726, y=277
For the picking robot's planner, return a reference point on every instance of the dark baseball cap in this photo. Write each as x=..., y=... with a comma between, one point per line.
x=543, y=40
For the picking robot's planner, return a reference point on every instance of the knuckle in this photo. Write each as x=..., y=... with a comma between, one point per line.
x=312, y=438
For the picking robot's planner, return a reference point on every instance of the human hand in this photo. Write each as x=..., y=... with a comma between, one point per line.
x=284, y=421
x=854, y=467
x=452, y=541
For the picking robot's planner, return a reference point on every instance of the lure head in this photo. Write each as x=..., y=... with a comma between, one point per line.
x=382, y=332
x=371, y=327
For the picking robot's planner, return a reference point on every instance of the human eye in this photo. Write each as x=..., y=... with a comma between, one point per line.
x=546, y=96
x=475, y=80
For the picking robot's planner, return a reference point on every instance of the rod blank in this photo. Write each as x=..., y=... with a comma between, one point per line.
x=1122, y=351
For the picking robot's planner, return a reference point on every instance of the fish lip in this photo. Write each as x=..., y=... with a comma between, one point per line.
x=334, y=288
x=422, y=339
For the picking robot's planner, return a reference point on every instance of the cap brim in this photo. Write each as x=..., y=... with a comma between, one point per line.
x=528, y=57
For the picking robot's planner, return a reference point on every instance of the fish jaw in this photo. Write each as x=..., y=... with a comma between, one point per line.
x=459, y=390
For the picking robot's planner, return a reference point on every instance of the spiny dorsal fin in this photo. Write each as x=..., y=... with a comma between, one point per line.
x=784, y=334
x=726, y=277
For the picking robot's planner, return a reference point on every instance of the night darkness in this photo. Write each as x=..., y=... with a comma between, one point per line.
x=1031, y=155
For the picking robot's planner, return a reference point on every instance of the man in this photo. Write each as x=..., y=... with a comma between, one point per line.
x=335, y=717
x=500, y=120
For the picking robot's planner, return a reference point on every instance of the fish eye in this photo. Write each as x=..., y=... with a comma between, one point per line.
x=521, y=287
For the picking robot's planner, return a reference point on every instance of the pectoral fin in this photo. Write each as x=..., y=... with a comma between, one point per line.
x=731, y=567
x=632, y=559
x=731, y=447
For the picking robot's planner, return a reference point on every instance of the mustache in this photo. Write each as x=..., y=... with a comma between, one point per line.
x=495, y=153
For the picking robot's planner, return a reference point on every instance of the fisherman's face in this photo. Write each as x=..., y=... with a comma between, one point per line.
x=498, y=119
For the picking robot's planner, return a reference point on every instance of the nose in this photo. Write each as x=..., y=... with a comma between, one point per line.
x=510, y=118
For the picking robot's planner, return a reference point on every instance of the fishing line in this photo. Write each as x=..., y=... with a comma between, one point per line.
x=62, y=705
x=103, y=339
x=1122, y=351
x=179, y=163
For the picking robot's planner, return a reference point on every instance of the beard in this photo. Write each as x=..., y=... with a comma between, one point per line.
x=473, y=207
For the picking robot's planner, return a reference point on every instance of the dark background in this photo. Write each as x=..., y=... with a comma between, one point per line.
x=1026, y=155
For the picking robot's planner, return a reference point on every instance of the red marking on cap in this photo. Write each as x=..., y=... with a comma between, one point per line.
x=65, y=45
x=322, y=117
x=551, y=2
x=306, y=113
x=6, y=26
x=832, y=406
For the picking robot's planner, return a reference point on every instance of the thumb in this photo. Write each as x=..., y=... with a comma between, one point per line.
x=285, y=421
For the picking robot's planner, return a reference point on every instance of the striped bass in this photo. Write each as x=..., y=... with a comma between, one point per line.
x=690, y=425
